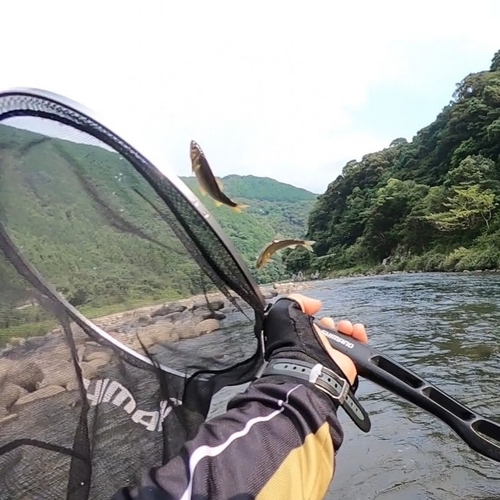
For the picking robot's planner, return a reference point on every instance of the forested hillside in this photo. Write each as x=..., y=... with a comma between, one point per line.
x=430, y=204
x=75, y=211
x=274, y=209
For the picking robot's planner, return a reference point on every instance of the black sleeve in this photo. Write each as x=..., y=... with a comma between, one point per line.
x=277, y=440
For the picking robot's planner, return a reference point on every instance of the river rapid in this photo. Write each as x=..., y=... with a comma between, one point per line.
x=445, y=327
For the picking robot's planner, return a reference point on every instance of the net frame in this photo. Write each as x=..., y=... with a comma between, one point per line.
x=23, y=102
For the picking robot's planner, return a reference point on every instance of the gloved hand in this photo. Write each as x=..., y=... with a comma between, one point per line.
x=289, y=332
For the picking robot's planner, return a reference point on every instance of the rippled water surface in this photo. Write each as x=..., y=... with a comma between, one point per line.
x=445, y=327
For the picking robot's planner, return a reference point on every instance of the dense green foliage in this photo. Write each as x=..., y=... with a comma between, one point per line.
x=74, y=211
x=429, y=204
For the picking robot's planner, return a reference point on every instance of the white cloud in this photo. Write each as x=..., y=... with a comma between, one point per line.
x=264, y=87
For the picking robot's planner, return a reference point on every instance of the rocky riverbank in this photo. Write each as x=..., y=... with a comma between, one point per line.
x=41, y=367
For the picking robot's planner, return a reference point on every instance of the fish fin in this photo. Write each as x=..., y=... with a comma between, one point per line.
x=293, y=246
x=239, y=208
x=219, y=183
x=202, y=191
x=308, y=245
x=218, y=203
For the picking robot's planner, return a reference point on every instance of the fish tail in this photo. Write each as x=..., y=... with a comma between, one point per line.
x=239, y=208
x=308, y=245
x=261, y=263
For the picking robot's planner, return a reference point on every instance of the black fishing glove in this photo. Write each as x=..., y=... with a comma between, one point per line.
x=289, y=334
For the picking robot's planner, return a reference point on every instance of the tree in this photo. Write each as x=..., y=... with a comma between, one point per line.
x=495, y=62
x=400, y=141
x=472, y=170
x=298, y=259
x=466, y=209
x=387, y=217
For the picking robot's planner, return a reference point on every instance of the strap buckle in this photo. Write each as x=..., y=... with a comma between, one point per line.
x=326, y=380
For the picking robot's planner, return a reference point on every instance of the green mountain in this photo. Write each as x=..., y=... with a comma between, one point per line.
x=429, y=204
x=274, y=209
x=96, y=229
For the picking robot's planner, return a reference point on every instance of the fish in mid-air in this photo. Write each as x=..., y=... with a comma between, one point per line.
x=207, y=181
x=276, y=245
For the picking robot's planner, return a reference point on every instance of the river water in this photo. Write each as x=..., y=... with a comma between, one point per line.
x=445, y=327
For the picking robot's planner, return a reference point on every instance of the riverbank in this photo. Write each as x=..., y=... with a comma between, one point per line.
x=461, y=260
x=389, y=270
x=200, y=307
x=37, y=368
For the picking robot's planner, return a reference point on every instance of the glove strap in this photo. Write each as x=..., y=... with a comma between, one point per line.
x=326, y=380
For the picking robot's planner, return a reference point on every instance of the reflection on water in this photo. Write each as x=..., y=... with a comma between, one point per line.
x=445, y=327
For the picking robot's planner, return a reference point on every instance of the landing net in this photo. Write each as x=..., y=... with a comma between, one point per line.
x=116, y=289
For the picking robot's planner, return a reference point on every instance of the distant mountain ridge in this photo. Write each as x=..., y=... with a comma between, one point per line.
x=275, y=209
x=66, y=236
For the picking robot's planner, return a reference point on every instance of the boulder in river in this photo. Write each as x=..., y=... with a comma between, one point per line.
x=269, y=294
x=61, y=375
x=186, y=329
x=7, y=419
x=26, y=374
x=9, y=394
x=44, y=392
x=5, y=365
x=173, y=307
x=207, y=326
x=211, y=304
x=175, y=316
x=206, y=313
x=144, y=320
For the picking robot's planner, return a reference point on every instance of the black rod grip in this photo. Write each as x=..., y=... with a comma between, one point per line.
x=481, y=434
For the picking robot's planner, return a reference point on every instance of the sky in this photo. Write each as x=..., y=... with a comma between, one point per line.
x=288, y=90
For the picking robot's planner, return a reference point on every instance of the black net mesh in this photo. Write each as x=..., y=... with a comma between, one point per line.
x=122, y=310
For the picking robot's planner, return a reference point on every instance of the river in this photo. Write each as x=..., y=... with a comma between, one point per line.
x=445, y=327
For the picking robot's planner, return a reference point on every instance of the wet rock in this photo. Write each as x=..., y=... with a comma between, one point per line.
x=144, y=321
x=5, y=365
x=269, y=294
x=125, y=328
x=44, y=392
x=175, y=316
x=89, y=370
x=214, y=315
x=186, y=330
x=174, y=307
x=207, y=326
x=146, y=341
x=60, y=375
x=60, y=352
x=8, y=419
x=73, y=385
x=211, y=304
x=205, y=313
x=166, y=334
x=9, y=394
x=26, y=374
x=105, y=355
x=157, y=333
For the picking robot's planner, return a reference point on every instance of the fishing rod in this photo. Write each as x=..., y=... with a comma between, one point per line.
x=215, y=253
